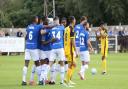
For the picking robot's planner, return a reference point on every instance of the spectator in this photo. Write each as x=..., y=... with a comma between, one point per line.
x=2, y=34
x=7, y=34
x=110, y=33
x=19, y=33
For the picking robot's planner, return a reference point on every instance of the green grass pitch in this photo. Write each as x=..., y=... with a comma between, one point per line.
x=117, y=77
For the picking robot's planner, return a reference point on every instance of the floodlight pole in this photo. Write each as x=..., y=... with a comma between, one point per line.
x=54, y=8
x=52, y=12
x=45, y=8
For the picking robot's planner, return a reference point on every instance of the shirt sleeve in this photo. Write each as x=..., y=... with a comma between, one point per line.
x=41, y=26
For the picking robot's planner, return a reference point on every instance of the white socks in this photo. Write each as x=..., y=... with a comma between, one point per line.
x=32, y=73
x=66, y=67
x=62, y=73
x=44, y=71
x=24, y=73
x=53, y=73
x=34, y=68
x=38, y=71
x=83, y=69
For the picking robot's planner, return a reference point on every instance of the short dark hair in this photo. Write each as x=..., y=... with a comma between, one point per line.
x=64, y=18
x=71, y=18
x=83, y=18
x=45, y=22
x=85, y=23
x=102, y=23
x=34, y=18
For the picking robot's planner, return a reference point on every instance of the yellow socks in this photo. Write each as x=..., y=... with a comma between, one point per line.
x=104, y=65
x=69, y=74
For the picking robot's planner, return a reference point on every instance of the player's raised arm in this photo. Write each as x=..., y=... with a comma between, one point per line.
x=97, y=33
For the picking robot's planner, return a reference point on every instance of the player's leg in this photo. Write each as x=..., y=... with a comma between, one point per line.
x=35, y=57
x=52, y=67
x=104, y=63
x=42, y=62
x=46, y=64
x=38, y=71
x=61, y=57
x=46, y=69
x=66, y=65
x=25, y=68
x=32, y=82
x=69, y=71
x=69, y=75
x=85, y=58
x=71, y=67
x=52, y=72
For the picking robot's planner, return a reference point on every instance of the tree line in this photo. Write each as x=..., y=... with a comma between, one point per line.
x=18, y=13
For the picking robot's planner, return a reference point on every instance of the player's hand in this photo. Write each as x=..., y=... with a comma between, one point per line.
x=91, y=50
x=54, y=40
x=43, y=32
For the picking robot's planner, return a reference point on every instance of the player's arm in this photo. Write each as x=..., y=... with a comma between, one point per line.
x=43, y=32
x=49, y=41
x=89, y=42
x=72, y=38
x=97, y=33
x=90, y=45
x=26, y=35
x=49, y=26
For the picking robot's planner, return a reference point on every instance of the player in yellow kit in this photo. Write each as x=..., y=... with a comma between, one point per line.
x=103, y=37
x=70, y=48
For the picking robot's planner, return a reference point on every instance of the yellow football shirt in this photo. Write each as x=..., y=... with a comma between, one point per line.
x=104, y=43
x=68, y=34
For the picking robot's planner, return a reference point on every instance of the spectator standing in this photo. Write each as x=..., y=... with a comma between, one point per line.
x=7, y=34
x=19, y=33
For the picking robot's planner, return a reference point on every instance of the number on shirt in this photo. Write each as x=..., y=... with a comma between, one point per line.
x=30, y=35
x=56, y=35
x=81, y=40
x=77, y=34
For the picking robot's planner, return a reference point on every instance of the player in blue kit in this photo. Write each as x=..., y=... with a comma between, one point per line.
x=31, y=47
x=85, y=46
x=45, y=52
x=57, y=50
x=42, y=45
x=77, y=30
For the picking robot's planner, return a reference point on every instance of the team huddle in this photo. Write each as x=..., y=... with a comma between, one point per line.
x=55, y=47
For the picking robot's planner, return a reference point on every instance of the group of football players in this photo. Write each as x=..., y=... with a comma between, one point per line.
x=54, y=48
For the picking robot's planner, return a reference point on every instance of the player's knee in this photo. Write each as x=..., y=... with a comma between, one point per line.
x=26, y=63
x=86, y=66
x=66, y=62
x=46, y=61
x=37, y=63
x=61, y=63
